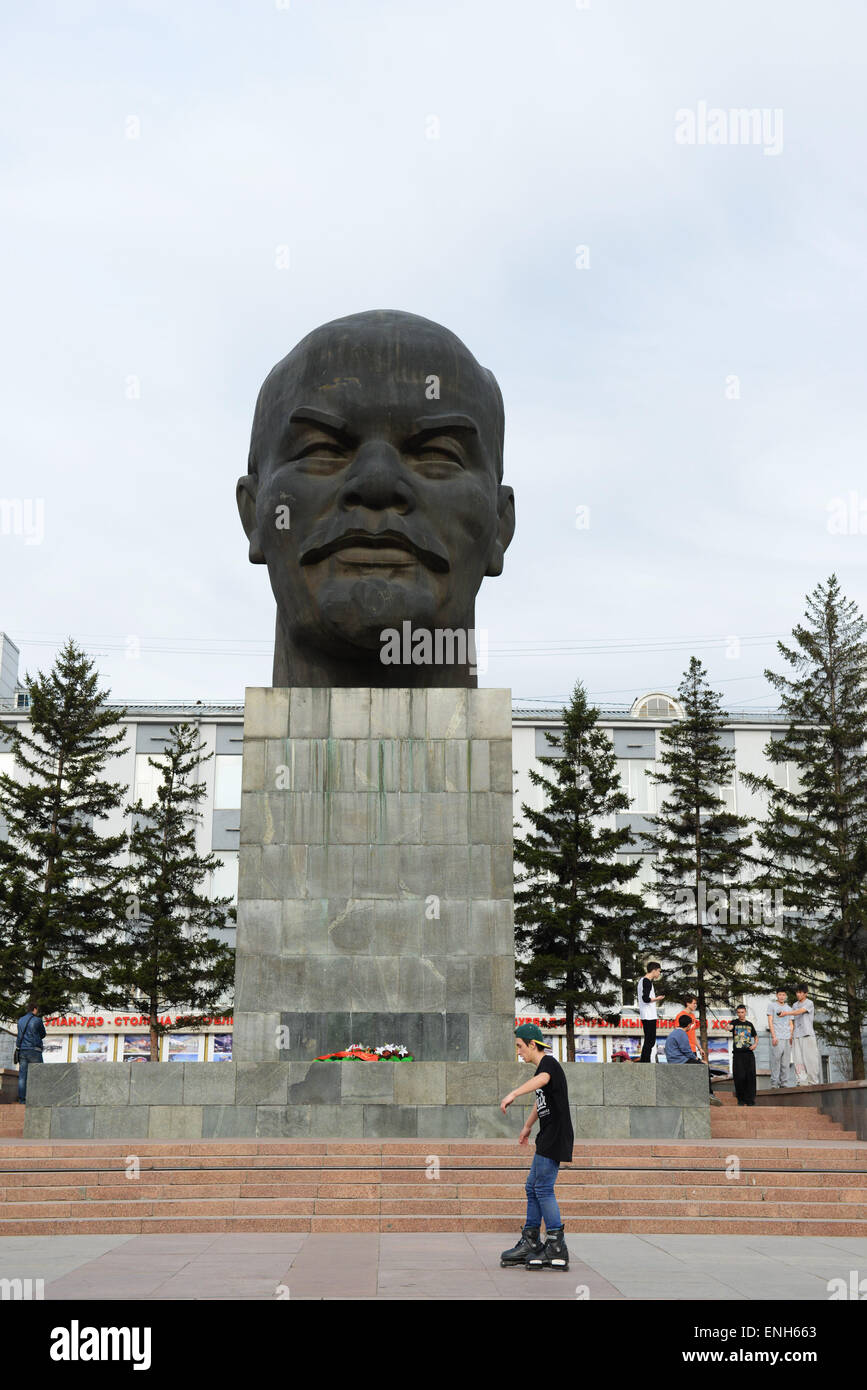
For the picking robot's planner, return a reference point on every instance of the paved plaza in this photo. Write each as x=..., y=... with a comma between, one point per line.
x=427, y=1266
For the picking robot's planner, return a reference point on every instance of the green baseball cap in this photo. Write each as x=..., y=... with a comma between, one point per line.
x=530, y=1032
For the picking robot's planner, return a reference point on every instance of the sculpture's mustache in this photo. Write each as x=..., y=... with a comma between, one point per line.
x=336, y=536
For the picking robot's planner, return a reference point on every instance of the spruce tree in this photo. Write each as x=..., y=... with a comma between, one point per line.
x=575, y=917
x=169, y=956
x=814, y=840
x=60, y=884
x=702, y=857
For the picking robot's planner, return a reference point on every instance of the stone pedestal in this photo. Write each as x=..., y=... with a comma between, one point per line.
x=375, y=880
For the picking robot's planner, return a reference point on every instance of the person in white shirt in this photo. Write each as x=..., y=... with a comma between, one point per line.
x=780, y=1026
x=647, y=1002
x=805, y=1050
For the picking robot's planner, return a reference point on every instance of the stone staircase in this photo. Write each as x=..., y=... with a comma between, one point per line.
x=781, y=1188
x=731, y=1121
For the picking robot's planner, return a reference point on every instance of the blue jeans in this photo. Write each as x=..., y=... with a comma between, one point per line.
x=26, y=1056
x=541, y=1202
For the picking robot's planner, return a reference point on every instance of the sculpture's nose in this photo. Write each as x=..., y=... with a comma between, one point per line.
x=376, y=480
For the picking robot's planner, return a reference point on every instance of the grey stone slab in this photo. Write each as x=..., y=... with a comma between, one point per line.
x=480, y=765
x=398, y=928
x=445, y=818
x=348, y=818
x=459, y=764
x=261, y=1083
x=502, y=873
x=683, y=1084
x=350, y=712
x=413, y=765
x=489, y=1122
x=310, y=1035
x=372, y=1081
x=480, y=986
x=258, y=929
x=253, y=766
x=500, y=762
x=459, y=984
x=446, y=712
x=250, y=872
x=228, y=1121
x=442, y=1122
x=266, y=712
x=350, y=925
x=209, y=1083
x=262, y=818
x=435, y=766
x=256, y=1036
x=330, y=872
x=375, y=871
x=696, y=1122
x=282, y=1122
x=120, y=1121
x=472, y=1083
x=491, y=1038
x=389, y=713
x=422, y=983
x=309, y=712
x=104, y=1083
x=72, y=1121
x=321, y=1084
x=306, y=817
x=585, y=1082
x=397, y=819
x=655, y=1121
x=390, y=1121
x=55, y=1083
x=456, y=1043
x=175, y=1121
x=157, y=1083
x=489, y=714
x=420, y=1083
x=376, y=765
x=374, y=984
x=600, y=1121
x=628, y=1085
x=337, y=1121
x=37, y=1120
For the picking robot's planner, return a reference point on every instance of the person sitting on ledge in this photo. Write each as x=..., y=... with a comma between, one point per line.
x=677, y=1049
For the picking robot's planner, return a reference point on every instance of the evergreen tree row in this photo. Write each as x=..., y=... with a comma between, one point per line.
x=734, y=906
x=77, y=923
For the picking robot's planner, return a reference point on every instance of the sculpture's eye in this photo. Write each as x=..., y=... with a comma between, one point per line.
x=440, y=449
x=322, y=448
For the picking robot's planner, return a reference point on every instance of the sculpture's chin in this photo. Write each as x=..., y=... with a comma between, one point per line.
x=358, y=612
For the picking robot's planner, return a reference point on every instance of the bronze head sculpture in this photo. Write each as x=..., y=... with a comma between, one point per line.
x=374, y=495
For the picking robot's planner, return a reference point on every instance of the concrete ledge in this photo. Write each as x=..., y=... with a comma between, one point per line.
x=371, y=1100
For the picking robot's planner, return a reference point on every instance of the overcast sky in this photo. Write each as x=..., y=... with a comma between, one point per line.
x=698, y=385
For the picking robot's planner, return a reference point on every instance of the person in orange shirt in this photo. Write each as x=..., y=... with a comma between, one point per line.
x=690, y=1007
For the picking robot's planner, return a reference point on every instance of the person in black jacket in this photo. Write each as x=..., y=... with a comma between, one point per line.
x=31, y=1031
x=554, y=1146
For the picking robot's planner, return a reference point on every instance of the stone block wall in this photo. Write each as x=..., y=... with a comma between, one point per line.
x=375, y=874
x=377, y=1100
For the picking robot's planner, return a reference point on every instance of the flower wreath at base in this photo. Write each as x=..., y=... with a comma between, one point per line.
x=357, y=1052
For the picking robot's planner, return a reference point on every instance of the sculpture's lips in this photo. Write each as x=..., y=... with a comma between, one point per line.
x=362, y=544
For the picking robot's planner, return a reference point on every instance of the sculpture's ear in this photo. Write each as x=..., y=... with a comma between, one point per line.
x=505, y=530
x=245, y=494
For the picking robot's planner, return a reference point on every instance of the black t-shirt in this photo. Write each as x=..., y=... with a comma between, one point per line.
x=743, y=1035
x=556, y=1136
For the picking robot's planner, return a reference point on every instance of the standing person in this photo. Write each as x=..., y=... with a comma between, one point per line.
x=31, y=1031
x=553, y=1146
x=745, y=1040
x=690, y=1005
x=781, y=1026
x=647, y=1002
x=805, y=1051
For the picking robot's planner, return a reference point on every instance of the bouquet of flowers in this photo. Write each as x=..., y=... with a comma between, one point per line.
x=358, y=1052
